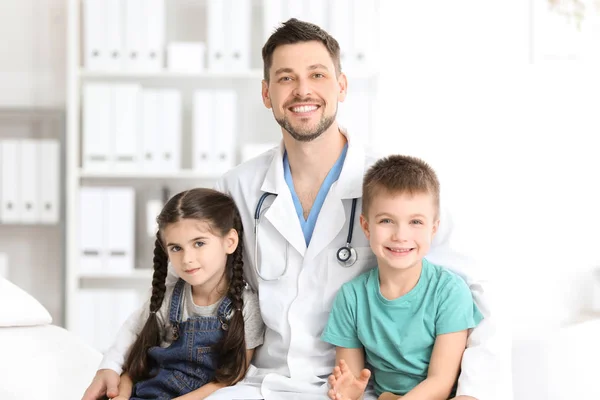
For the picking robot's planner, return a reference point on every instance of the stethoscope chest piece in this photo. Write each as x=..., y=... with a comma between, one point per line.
x=346, y=256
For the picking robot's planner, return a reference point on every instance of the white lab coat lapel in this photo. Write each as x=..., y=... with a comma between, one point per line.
x=332, y=216
x=282, y=213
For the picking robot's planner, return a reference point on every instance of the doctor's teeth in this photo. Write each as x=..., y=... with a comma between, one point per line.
x=303, y=109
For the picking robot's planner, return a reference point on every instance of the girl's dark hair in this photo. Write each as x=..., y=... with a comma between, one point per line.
x=222, y=215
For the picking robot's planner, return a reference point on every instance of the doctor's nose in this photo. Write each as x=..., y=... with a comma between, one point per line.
x=302, y=89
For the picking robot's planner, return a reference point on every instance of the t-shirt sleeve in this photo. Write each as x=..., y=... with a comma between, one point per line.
x=253, y=323
x=341, y=328
x=456, y=309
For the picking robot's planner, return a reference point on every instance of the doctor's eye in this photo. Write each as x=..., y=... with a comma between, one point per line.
x=285, y=79
x=416, y=222
x=199, y=244
x=385, y=221
x=318, y=75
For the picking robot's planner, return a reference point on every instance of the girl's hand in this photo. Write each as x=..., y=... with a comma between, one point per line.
x=119, y=397
x=344, y=385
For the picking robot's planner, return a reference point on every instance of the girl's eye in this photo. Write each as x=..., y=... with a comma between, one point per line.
x=199, y=244
x=175, y=249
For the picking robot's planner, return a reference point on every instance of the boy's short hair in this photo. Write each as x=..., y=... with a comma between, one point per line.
x=295, y=31
x=399, y=174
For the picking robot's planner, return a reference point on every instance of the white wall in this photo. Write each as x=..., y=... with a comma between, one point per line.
x=32, y=74
x=513, y=143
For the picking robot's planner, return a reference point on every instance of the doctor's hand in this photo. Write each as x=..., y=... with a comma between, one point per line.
x=344, y=385
x=106, y=382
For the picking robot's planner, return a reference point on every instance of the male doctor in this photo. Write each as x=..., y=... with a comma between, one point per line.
x=314, y=175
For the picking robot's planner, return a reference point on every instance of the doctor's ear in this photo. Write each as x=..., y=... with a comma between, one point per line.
x=265, y=94
x=364, y=224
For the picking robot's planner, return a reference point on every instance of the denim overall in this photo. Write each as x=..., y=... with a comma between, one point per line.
x=189, y=362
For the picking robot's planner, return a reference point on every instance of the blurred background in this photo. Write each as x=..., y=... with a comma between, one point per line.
x=108, y=107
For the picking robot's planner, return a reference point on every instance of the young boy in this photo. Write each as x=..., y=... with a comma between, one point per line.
x=407, y=319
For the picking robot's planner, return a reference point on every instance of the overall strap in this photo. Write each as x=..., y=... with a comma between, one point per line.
x=175, y=310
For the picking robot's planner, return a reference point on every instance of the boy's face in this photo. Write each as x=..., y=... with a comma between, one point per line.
x=303, y=90
x=400, y=228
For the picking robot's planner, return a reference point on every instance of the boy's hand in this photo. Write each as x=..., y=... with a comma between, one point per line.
x=344, y=385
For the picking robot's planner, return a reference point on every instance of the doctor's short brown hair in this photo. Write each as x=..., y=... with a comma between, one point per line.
x=399, y=174
x=295, y=31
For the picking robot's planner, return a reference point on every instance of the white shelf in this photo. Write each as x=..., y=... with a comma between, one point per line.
x=165, y=74
x=182, y=174
x=250, y=74
x=137, y=274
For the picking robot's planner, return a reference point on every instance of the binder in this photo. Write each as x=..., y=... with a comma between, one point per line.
x=92, y=227
x=154, y=35
x=125, y=133
x=362, y=33
x=95, y=47
x=10, y=210
x=151, y=135
x=135, y=31
x=340, y=20
x=113, y=35
x=204, y=132
x=223, y=145
x=49, y=172
x=216, y=43
x=97, y=127
x=169, y=121
x=120, y=229
x=29, y=163
x=239, y=33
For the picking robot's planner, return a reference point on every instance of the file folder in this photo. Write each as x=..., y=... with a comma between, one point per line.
x=97, y=127
x=29, y=175
x=238, y=30
x=135, y=31
x=95, y=44
x=169, y=121
x=49, y=172
x=216, y=32
x=125, y=133
x=120, y=229
x=151, y=135
x=224, y=134
x=204, y=132
x=92, y=229
x=114, y=35
x=10, y=210
x=154, y=35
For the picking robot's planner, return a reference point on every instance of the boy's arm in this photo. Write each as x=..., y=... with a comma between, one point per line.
x=355, y=358
x=211, y=387
x=443, y=368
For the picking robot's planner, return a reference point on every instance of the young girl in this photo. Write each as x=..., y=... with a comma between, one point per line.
x=200, y=333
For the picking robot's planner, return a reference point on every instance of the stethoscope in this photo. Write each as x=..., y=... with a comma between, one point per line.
x=346, y=255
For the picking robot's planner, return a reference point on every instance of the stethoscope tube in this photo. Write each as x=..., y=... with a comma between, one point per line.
x=346, y=255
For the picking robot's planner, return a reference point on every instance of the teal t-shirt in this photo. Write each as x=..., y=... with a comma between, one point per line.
x=398, y=335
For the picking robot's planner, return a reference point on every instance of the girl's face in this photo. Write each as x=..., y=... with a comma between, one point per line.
x=198, y=255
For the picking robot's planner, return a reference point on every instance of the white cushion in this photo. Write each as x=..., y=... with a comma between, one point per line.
x=19, y=308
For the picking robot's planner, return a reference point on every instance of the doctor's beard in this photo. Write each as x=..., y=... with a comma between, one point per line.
x=306, y=135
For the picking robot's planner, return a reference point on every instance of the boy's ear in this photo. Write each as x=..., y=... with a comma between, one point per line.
x=364, y=224
x=436, y=227
x=231, y=241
